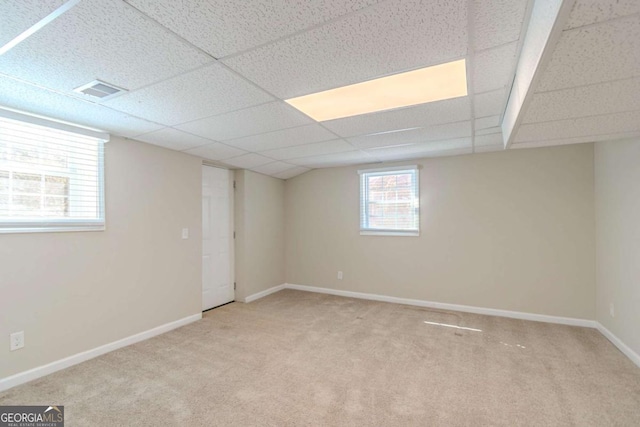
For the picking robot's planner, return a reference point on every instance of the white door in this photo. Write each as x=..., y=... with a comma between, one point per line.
x=217, y=237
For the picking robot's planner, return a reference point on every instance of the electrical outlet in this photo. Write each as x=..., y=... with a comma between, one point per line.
x=16, y=340
x=612, y=310
x=339, y=275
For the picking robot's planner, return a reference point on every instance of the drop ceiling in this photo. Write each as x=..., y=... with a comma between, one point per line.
x=209, y=77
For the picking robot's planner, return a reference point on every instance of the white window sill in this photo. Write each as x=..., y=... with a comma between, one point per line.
x=61, y=229
x=390, y=233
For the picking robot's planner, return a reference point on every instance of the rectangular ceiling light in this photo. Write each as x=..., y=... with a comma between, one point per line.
x=444, y=81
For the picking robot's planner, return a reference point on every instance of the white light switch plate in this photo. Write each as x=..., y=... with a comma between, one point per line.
x=185, y=233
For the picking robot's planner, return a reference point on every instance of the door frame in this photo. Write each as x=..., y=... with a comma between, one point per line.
x=232, y=238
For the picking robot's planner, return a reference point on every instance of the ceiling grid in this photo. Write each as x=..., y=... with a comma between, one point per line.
x=209, y=78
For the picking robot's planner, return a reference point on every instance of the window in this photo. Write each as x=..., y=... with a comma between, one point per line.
x=389, y=201
x=51, y=175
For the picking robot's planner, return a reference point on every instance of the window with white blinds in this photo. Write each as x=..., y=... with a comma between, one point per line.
x=389, y=201
x=51, y=175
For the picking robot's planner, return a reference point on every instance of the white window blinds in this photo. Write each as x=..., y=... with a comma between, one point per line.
x=51, y=175
x=389, y=201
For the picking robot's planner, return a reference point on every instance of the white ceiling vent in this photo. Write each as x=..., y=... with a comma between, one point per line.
x=98, y=89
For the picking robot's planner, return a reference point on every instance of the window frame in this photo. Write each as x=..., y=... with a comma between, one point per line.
x=364, y=200
x=30, y=225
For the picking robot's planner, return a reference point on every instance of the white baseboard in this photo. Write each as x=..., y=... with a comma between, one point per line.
x=264, y=293
x=445, y=306
x=41, y=371
x=635, y=357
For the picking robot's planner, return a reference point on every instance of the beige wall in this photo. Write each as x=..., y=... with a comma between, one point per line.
x=511, y=230
x=71, y=292
x=617, y=171
x=259, y=222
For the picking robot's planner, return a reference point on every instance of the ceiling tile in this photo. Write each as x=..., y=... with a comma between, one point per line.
x=336, y=159
x=488, y=131
x=407, y=34
x=23, y=13
x=249, y=121
x=221, y=27
x=486, y=122
x=604, y=98
x=585, y=126
x=191, y=96
x=216, y=151
x=248, y=161
x=173, y=139
x=315, y=149
x=290, y=173
x=95, y=39
x=493, y=69
x=307, y=134
x=497, y=22
x=273, y=168
x=490, y=103
x=595, y=54
x=425, y=149
x=488, y=140
x=413, y=136
x=587, y=12
x=433, y=113
x=32, y=99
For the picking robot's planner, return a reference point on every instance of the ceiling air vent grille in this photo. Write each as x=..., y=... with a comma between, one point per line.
x=100, y=90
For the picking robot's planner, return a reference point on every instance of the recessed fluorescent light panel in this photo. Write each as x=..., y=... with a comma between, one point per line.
x=436, y=83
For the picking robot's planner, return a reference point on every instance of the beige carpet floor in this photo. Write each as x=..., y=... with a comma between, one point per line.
x=298, y=359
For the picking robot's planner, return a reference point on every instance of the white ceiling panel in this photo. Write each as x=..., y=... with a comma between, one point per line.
x=307, y=134
x=493, y=68
x=386, y=38
x=316, y=149
x=249, y=121
x=95, y=39
x=488, y=131
x=273, y=168
x=433, y=113
x=497, y=22
x=248, y=161
x=486, y=122
x=340, y=159
x=587, y=12
x=584, y=126
x=490, y=103
x=216, y=151
x=587, y=55
x=488, y=140
x=413, y=136
x=32, y=99
x=23, y=14
x=604, y=98
x=221, y=27
x=290, y=173
x=200, y=93
x=425, y=149
x=173, y=139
